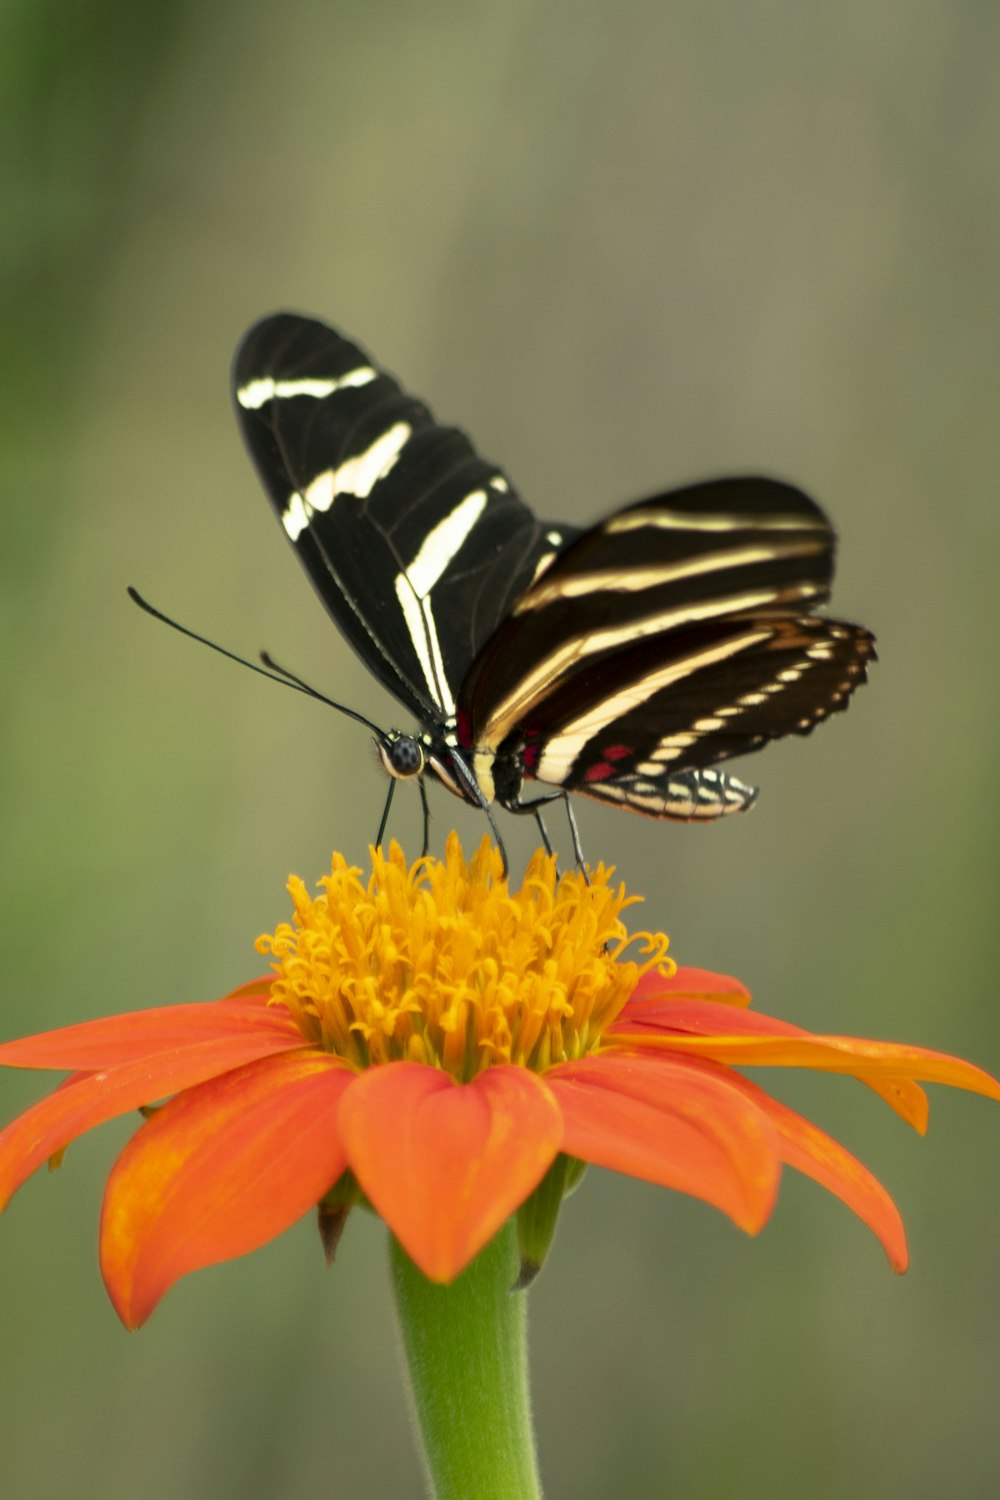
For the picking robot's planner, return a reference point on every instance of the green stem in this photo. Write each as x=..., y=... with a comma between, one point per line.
x=466, y=1358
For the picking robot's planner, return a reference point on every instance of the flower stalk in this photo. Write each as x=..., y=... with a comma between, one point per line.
x=465, y=1354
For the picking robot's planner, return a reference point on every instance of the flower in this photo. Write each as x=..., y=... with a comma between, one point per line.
x=442, y=1047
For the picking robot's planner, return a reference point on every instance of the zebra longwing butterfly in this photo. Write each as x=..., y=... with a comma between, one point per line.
x=622, y=661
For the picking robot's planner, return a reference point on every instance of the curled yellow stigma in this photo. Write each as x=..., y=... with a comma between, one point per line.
x=439, y=962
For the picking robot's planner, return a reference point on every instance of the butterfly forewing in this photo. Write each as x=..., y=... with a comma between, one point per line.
x=416, y=545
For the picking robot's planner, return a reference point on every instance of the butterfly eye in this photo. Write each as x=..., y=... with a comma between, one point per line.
x=402, y=755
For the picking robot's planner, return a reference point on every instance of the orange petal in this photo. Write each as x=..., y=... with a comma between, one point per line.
x=445, y=1164
x=691, y=1016
x=810, y=1150
x=674, y=1122
x=258, y=990
x=693, y=984
x=91, y=1098
x=112, y=1040
x=220, y=1170
x=829, y=1054
x=702, y=1018
x=904, y=1096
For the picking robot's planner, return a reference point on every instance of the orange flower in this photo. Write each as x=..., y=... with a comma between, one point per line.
x=436, y=1043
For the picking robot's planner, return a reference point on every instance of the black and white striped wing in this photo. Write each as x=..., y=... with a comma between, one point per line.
x=675, y=634
x=416, y=545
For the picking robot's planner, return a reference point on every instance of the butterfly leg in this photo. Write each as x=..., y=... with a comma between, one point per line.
x=427, y=816
x=543, y=832
x=533, y=806
x=574, y=833
x=487, y=809
x=385, y=814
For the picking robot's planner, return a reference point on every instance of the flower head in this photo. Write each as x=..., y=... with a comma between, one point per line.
x=442, y=964
x=443, y=1047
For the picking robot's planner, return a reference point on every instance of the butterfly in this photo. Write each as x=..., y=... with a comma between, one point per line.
x=623, y=660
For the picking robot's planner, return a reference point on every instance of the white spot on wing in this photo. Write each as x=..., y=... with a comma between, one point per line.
x=359, y=475
x=545, y=561
x=296, y=517
x=257, y=393
x=703, y=795
x=560, y=753
x=533, y=685
x=356, y=476
x=414, y=586
x=665, y=519
x=634, y=579
x=444, y=541
x=320, y=494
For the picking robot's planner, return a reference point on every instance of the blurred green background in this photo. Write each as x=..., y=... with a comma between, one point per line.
x=625, y=245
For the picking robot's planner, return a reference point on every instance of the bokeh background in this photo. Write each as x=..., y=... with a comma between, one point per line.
x=626, y=245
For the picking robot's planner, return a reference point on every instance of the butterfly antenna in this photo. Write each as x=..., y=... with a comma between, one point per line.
x=271, y=670
x=275, y=669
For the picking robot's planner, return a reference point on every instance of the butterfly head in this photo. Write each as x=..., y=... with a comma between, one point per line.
x=402, y=755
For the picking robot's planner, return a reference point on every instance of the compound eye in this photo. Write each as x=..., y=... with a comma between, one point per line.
x=402, y=756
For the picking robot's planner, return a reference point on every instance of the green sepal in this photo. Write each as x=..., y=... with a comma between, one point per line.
x=538, y=1215
x=332, y=1211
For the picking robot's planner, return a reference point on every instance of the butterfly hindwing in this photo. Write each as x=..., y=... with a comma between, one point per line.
x=670, y=636
x=624, y=731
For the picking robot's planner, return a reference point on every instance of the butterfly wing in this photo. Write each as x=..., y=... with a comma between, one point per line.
x=416, y=545
x=675, y=634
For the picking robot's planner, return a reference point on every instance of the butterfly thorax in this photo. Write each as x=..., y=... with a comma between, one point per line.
x=508, y=776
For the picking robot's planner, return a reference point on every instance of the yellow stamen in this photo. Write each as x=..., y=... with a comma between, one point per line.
x=439, y=962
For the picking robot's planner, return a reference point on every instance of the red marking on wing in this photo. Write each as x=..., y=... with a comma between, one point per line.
x=600, y=772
